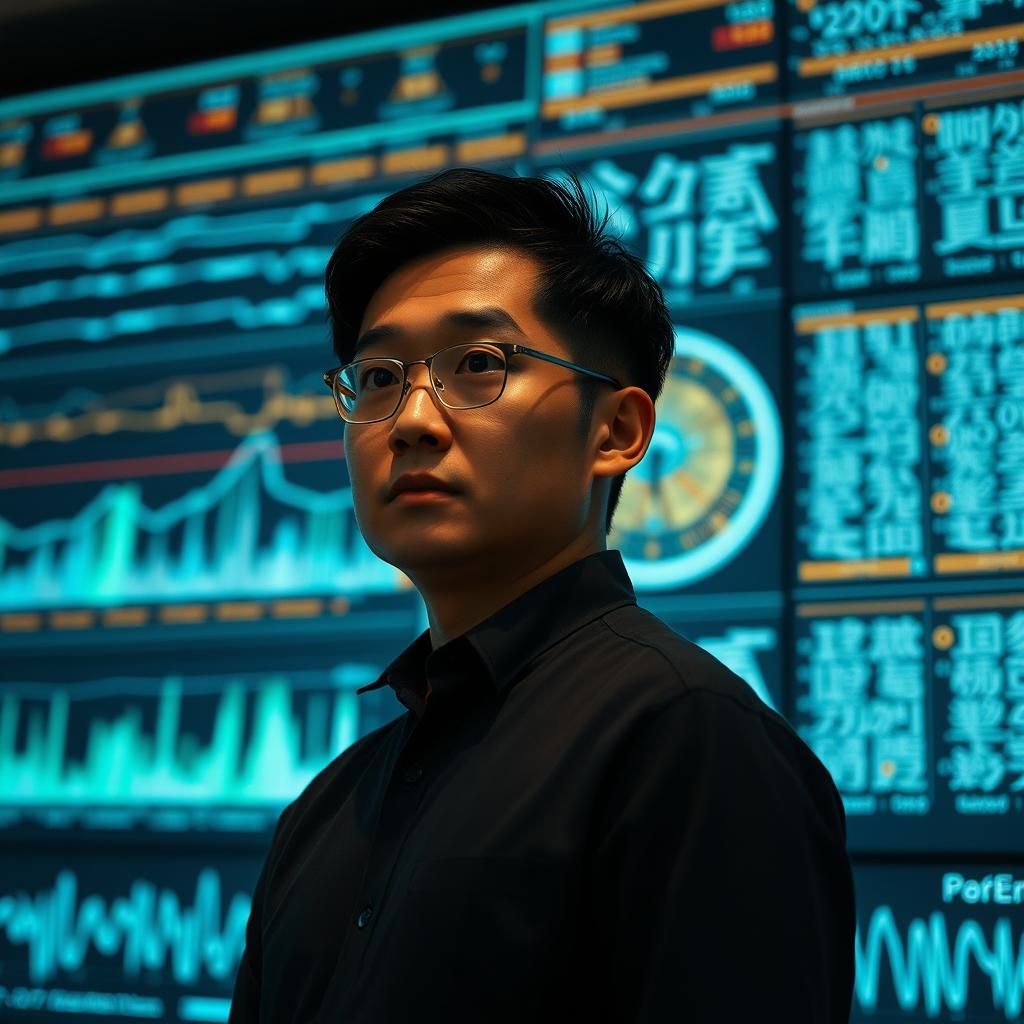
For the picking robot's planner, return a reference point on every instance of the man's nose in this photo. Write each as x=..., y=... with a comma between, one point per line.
x=417, y=377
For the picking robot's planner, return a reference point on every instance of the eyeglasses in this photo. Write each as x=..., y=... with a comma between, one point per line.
x=462, y=376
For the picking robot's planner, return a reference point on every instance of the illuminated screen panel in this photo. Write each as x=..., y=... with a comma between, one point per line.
x=857, y=436
x=153, y=937
x=704, y=510
x=256, y=516
x=979, y=654
x=975, y=387
x=856, y=214
x=199, y=276
x=181, y=731
x=375, y=95
x=939, y=942
x=840, y=47
x=906, y=437
x=617, y=68
x=885, y=197
x=974, y=188
x=702, y=212
x=863, y=703
x=916, y=707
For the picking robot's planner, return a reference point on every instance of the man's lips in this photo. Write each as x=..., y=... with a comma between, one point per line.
x=422, y=494
x=419, y=482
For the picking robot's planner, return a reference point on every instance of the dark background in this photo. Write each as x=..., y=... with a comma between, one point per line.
x=49, y=43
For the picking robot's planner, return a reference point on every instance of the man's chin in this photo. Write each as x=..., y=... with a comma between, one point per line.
x=449, y=555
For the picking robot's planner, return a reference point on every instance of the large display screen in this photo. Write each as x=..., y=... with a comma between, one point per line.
x=831, y=196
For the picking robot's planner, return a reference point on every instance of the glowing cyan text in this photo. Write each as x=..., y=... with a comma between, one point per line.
x=1002, y=888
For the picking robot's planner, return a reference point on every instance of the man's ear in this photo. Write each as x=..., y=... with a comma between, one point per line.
x=629, y=418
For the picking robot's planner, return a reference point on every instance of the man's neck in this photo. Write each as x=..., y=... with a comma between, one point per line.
x=453, y=610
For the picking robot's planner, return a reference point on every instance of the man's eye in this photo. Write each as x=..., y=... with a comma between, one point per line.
x=378, y=377
x=481, y=360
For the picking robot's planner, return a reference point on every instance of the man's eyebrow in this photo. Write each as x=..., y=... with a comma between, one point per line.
x=488, y=318
x=381, y=333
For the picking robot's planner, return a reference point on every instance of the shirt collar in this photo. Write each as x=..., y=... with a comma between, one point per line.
x=506, y=642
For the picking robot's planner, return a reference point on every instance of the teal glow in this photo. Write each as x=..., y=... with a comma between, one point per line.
x=117, y=548
x=151, y=927
x=127, y=764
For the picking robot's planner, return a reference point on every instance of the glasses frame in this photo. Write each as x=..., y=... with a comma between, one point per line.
x=508, y=348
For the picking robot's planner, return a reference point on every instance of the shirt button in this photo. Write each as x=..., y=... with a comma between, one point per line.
x=364, y=917
x=412, y=773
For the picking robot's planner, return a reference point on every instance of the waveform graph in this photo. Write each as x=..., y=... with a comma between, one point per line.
x=60, y=416
x=216, y=525
x=209, y=743
x=939, y=942
x=173, y=276
x=153, y=937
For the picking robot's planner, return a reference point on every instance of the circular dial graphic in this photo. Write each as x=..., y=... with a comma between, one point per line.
x=710, y=474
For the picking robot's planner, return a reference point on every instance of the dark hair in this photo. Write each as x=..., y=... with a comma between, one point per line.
x=596, y=295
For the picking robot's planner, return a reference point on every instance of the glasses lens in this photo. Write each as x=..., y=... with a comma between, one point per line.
x=466, y=376
x=369, y=389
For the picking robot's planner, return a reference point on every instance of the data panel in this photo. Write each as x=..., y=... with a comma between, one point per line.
x=847, y=46
x=830, y=194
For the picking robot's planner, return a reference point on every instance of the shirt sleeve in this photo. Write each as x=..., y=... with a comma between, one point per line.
x=721, y=886
x=245, y=1000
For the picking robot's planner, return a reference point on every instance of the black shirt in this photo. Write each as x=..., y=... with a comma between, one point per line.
x=590, y=818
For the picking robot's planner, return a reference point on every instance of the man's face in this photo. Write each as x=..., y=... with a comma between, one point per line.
x=522, y=475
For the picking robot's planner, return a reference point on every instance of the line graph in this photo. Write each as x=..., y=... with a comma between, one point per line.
x=171, y=404
x=269, y=258
x=248, y=531
x=245, y=739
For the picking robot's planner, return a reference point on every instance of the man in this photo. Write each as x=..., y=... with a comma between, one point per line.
x=582, y=815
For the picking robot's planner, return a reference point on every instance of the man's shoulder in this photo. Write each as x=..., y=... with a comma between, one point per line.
x=669, y=664
x=677, y=673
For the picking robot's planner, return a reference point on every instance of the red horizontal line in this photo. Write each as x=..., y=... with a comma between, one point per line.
x=839, y=107
x=155, y=465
